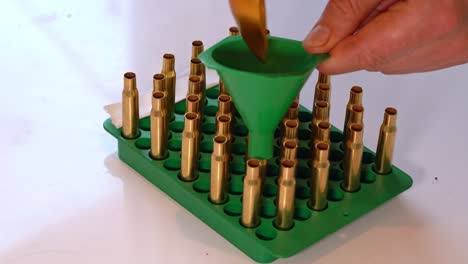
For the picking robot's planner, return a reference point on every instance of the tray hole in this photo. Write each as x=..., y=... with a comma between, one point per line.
x=272, y=170
x=303, y=153
x=304, y=134
x=239, y=148
x=211, y=110
x=335, y=194
x=172, y=164
x=336, y=174
x=367, y=157
x=204, y=165
x=237, y=167
x=268, y=211
x=270, y=190
x=336, y=155
x=202, y=186
x=174, y=145
x=241, y=130
x=209, y=128
x=302, y=192
x=179, y=108
x=212, y=93
x=177, y=126
x=236, y=187
x=206, y=147
x=302, y=213
x=233, y=209
x=342, y=146
x=336, y=136
x=303, y=172
x=143, y=143
x=145, y=124
x=266, y=233
x=305, y=116
x=367, y=176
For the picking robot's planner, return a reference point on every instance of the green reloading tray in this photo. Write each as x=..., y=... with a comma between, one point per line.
x=264, y=243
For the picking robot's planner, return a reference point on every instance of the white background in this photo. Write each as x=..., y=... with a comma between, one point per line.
x=66, y=198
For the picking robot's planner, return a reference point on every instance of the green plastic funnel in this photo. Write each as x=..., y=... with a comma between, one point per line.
x=262, y=92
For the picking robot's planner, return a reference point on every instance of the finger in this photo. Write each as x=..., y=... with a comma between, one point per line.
x=339, y=20
x=391, y=35
x=382, y=7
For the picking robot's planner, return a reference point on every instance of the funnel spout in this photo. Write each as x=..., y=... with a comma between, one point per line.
x=262, y=91
x=262, y=144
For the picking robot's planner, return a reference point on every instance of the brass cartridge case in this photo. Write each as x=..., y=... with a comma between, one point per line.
x=356, y=116
x=198, y=68
x=223, y=126
x=159, y=83
x=222, y=88
x=291, y=128
x=322, y=135
x=355, y=98
x=130, y=108
x=194, y=88
x=219, y=170
x=285, y=202
x=224, y=105
x=168, y=69
x=233, y=31
x=263, y=167
x=319, y=114
x=251, y=194
x=293, y=112
x=192, y=103
x=190, y=148
x=296, y=99
x=352, y=159
x=159, y=126
x=386, y=143
x=323, y=79
x=319, y=178
x=322, y=93
x=197, y=48
x=289, y=150
x=194, y=85
x=322, y=89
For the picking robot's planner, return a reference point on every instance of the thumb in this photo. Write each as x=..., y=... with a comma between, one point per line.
x=339, y=20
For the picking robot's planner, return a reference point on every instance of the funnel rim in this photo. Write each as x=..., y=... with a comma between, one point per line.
x=208, y=59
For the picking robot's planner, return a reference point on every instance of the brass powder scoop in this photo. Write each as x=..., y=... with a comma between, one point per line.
x=251, y=19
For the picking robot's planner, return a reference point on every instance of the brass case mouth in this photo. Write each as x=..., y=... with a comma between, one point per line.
x=197, y=48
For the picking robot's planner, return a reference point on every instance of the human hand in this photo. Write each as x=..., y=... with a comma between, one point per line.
x=391, y=36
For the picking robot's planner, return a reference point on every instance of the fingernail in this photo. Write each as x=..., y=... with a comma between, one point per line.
x=318, y=36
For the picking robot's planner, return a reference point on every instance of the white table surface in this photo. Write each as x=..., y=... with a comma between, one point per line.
x=65, y=197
